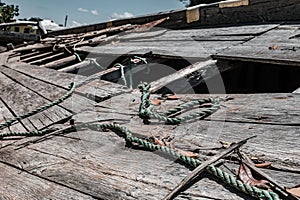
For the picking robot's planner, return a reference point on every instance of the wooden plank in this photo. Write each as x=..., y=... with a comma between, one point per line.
x=47, y=59
x=32, y=187
x=37, y=46
x=231, y=33
x=233, y=3
x=21, y=100
x=47, y=75
x=100, y=90
x=61, y=62
x=98, y=169
x=3, y=58
x=158, y=84
x=17, y=127
x=31, y=54
x=100, y=160
x=286, y=56
x=63, y=80
x=274, y=109
x=74, y=67
x=278, y=46
x=186, y=49
x=75, y=104
x=90, y=155
x=246, y=115
x=34, y=57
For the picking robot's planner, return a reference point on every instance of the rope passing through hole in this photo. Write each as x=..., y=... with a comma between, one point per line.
x=146, y=111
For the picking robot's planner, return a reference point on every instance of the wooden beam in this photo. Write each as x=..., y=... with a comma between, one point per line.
x=74, y=67
x=156, y=85
x=34, y=57
x=45, y=59
x=59, y=63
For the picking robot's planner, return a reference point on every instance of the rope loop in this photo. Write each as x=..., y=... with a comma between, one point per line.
x=146, y=111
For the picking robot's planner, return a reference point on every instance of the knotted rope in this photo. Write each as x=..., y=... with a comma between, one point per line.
x=146, y=111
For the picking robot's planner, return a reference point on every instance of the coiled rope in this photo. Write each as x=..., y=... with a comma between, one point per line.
x=40, y=109
x=146, y=111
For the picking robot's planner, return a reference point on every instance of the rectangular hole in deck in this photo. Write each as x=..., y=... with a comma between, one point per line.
x=254, y=77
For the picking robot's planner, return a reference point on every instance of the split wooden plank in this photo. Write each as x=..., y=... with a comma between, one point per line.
x=158, y=84
x=32, y=187
x=21, y=100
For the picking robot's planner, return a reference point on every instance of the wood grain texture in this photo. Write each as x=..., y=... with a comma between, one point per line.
x=63, y=80
x=21, y=100
x=75, y=103
x=277, y=46
x=99, y=163
x=19, y=185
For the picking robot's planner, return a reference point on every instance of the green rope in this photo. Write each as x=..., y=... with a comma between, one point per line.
x=122, y=70
x=146, y=104
x=42, y=108
x=78, y=57
x=94, y=61
x=224, y=176
x=130, y=75
x=146, y=108
x=28, y=134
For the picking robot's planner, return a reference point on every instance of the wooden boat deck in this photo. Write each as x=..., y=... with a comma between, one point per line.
x=89, y=164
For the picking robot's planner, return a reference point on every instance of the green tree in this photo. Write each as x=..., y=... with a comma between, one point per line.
x=8, y=12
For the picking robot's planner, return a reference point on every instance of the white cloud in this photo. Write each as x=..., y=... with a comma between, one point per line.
x=120, y=15
x=75, y=23
x=94, y=12
x=83, y=10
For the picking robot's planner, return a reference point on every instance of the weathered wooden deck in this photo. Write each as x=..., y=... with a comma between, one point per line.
x=89, y=164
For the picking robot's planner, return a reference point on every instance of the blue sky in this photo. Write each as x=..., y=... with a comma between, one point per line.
x=90, y=11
